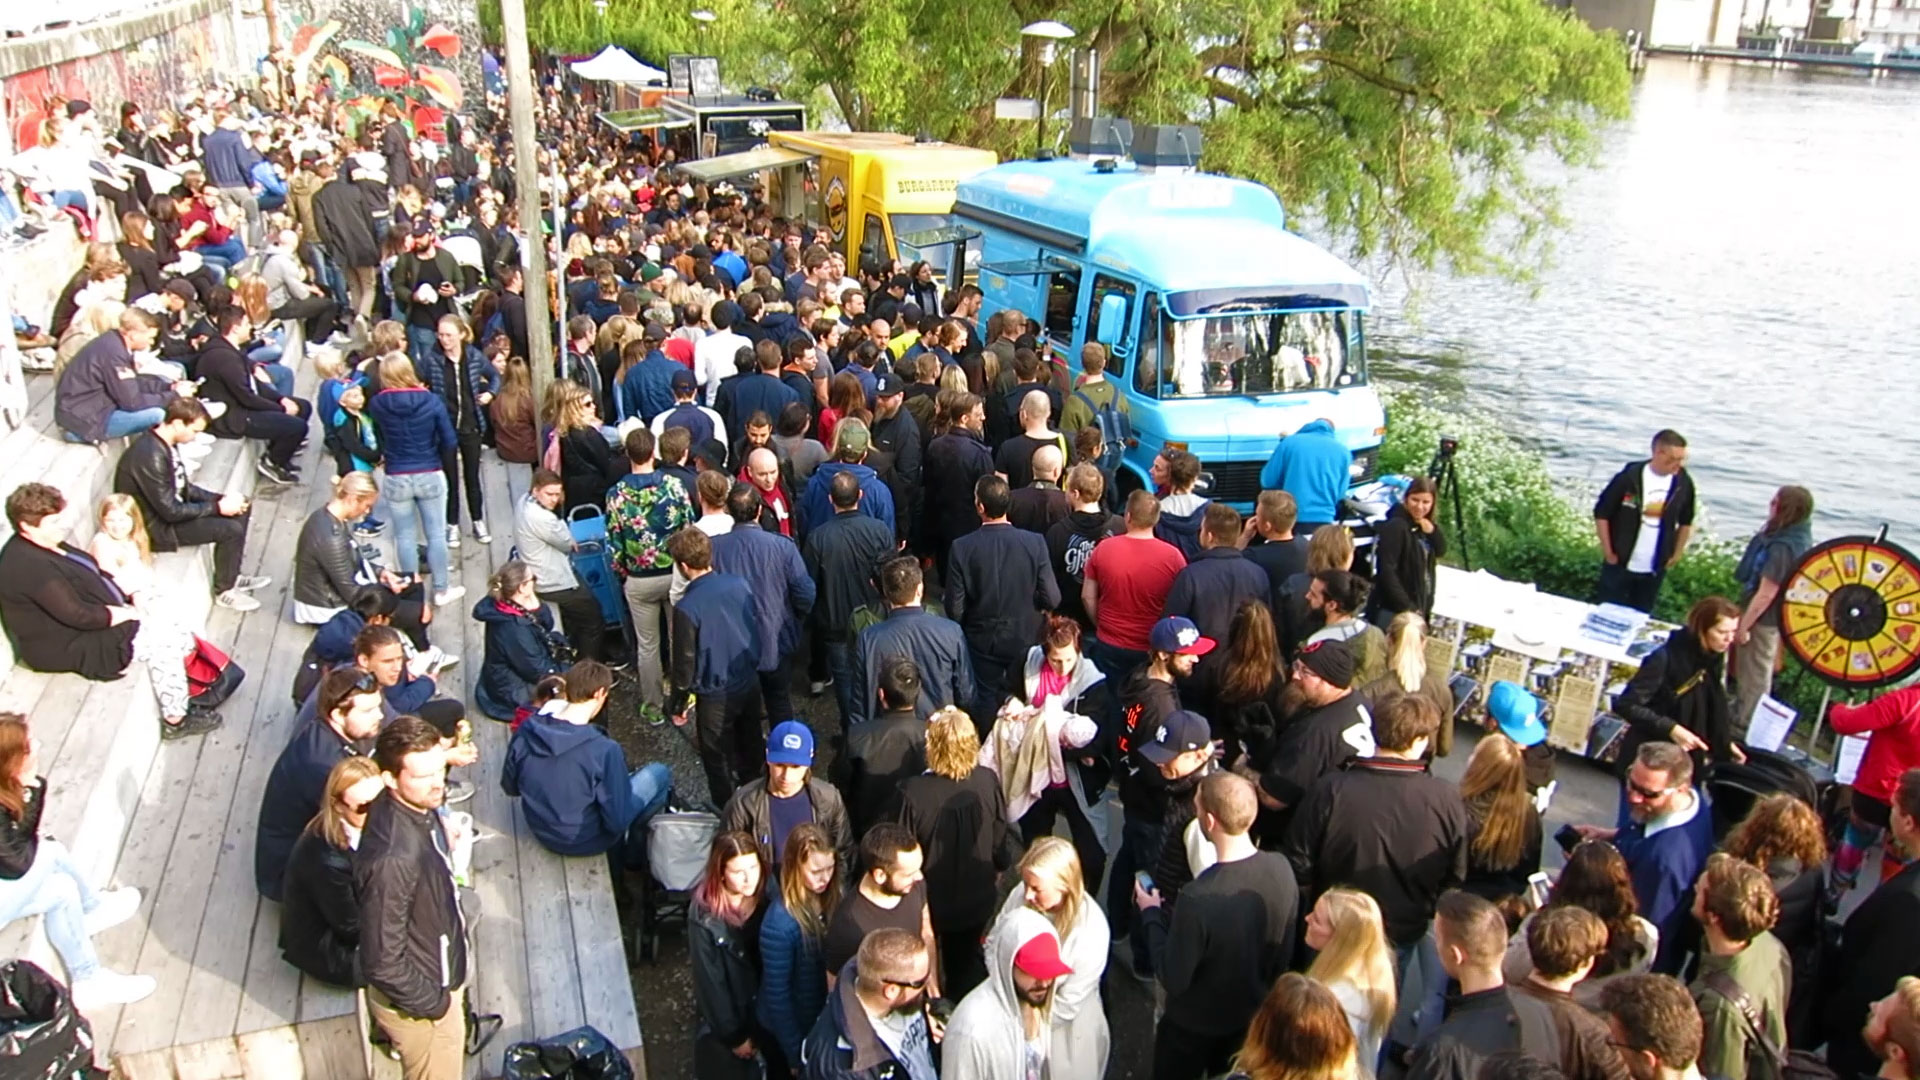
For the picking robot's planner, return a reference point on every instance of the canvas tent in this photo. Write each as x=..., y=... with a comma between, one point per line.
x=617, y=65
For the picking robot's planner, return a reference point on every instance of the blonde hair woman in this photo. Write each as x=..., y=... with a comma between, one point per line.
x=1052, y=884
x=320, y=933
x=1408, y=672
x=960, y=849
x=1356, y=963
x=1505, y=835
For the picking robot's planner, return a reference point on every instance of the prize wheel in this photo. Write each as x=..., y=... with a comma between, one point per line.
x=1851, y=612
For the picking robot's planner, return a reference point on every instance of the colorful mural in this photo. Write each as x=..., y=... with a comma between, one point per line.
x=153, y=72
x=428, y=59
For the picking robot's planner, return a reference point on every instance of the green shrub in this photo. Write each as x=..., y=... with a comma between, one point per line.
x=1523, y=526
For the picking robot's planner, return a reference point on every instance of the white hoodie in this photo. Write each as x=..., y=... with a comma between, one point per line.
x=986, y=1038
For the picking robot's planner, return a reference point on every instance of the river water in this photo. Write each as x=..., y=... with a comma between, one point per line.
x=1739, y=266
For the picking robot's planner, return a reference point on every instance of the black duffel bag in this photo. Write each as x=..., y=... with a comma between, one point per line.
x=580, y=1054
x=40, y=1033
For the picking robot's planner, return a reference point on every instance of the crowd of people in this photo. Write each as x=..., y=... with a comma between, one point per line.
x=832, y=475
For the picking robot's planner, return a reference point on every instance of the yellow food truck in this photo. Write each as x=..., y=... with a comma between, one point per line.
x=878, y=194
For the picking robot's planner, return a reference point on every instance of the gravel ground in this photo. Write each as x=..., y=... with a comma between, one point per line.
x=663, y=987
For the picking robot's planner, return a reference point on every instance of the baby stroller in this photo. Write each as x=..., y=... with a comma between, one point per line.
x=1733, y=787
x=677, y=845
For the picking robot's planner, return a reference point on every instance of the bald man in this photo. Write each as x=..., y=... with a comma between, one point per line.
x=763, y=471
x=1014, y=459
x=1039, y=505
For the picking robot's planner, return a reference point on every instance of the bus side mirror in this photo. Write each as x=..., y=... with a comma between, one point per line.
x=1113, y=319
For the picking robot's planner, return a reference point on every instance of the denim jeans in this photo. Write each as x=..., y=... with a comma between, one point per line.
x=420, y=345
x=650, y=784
x=54, y=887
x=224, y=256
x=419, y=502
x=840, y=666
x=280, y=375
x=121, y=423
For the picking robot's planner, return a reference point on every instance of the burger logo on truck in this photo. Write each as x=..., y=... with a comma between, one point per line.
x=836, y=204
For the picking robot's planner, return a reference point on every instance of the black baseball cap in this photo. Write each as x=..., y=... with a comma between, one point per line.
x=888, y=385
x=1180, y=732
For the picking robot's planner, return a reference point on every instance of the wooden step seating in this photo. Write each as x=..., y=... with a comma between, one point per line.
x=178, y=821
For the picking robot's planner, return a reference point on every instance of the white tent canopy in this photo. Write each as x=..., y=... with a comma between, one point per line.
x=617, y=65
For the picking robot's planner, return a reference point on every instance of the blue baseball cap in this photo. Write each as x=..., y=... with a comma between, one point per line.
x=1517, y=712
x=790, y=743
x=1178, y=635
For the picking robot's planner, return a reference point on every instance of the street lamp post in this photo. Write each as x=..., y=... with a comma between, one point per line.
x=1049, y=35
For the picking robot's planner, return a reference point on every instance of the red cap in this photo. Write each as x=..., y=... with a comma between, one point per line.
x=1040, y=957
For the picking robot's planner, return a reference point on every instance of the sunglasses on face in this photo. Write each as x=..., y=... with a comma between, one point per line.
x=917, y=984
x=1649, y=794
x=364, y=682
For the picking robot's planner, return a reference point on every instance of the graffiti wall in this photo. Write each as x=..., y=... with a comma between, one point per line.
x=154, y=72
x=422, y=54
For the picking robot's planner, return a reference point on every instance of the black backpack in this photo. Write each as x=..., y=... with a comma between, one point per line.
x=1766, y=1060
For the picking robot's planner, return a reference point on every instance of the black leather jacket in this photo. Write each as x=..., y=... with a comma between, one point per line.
x=145, y=472
x=413, y=941
x=20, y=836
x=319, y=921
x=324, y=562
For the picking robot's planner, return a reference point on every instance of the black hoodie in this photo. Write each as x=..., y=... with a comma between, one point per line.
x=1145, y=704
x=1070, y=544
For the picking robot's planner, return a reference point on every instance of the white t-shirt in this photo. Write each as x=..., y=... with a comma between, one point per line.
x=1654, y=490
x=907, y=1036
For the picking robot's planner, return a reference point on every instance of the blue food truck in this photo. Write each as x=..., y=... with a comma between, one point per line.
x=1226, y=331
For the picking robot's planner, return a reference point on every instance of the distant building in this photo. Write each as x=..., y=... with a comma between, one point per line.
x=1665, y=22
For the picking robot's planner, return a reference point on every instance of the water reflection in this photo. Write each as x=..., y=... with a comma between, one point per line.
x=1739, y=268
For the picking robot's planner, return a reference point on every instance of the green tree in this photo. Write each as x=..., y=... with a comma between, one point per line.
x=1425, y=132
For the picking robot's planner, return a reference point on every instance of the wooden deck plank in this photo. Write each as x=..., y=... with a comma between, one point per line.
x=606, y=989
x=274, y=1052
x=215, y=1059
x=187, y=898
x=328, y=1048
x=221, y=959
x=500, y=977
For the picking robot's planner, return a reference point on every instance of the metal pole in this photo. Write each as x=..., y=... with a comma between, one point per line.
x=560, y=294
x=1040, y=127
x=526, y=178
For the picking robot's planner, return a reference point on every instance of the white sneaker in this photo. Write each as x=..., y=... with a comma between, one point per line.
x=114, y=908
x=215, y=409
x=193, y=451
x=204, y=439
x=235, y=600
x=481, y=534
x=251, y=582
x=453, y=536
x=442, y=599
x=106, y=988
x=439, y=659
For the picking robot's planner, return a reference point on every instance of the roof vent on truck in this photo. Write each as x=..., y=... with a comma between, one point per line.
x=1166, y=147
x=1093, y=137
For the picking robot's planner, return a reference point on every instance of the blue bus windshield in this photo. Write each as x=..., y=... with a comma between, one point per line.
x=1264, y=352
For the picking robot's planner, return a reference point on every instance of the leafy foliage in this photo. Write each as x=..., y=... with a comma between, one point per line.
x=1414, y=129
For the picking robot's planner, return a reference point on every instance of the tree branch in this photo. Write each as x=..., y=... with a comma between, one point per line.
x=1382, y=81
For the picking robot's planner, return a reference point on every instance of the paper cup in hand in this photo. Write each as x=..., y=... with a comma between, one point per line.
x=425, y=294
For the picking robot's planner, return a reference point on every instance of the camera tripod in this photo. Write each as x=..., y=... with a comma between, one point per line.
x=1446, y=480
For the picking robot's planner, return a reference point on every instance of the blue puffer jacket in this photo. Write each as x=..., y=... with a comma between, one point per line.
x=518, y=655
x=415, y=424
x=571, y=780
x=466, y=412
x=793, y=979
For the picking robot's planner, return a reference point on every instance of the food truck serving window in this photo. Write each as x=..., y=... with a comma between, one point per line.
x=1261, y=352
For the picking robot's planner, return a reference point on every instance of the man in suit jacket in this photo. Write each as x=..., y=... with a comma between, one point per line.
x=1878, y=945
x=999, y=588
x=181, y=514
